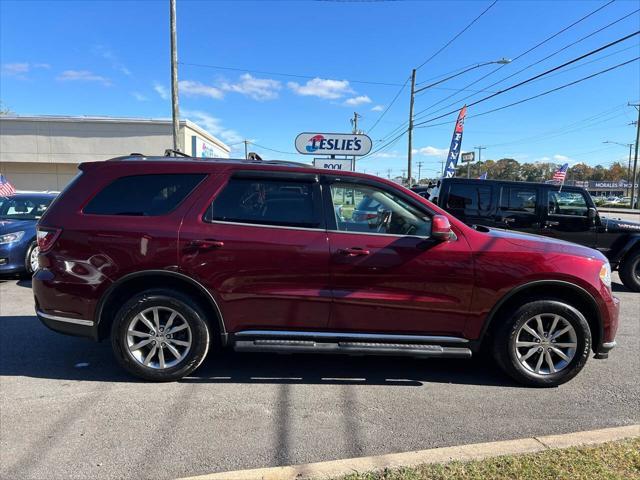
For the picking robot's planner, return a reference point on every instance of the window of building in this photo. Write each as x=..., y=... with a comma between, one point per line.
x=266, y=202
x=143, y=195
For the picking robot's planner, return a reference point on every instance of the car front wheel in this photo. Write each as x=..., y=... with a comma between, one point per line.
x=160, y=335
x=31, y=258
x=630, y=271
x=543, y=343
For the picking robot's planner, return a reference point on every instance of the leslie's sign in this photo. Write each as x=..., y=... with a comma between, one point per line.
x=333, y=144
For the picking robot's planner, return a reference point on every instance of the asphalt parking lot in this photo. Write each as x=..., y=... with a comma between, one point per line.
x=68, y=411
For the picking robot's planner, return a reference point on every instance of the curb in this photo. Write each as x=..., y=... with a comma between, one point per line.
x=475, y=451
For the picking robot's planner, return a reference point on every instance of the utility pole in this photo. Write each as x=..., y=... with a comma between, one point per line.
x=635, y=160
x=175, y=111
x=389, y=173
x=629, y=167
x=419, y=170
x=246, y=152
x=403, y=172
x=413, y=93
x=480, y=148
x=354, y=123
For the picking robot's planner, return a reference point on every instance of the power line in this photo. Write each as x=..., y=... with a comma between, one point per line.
x=540, y=94
x=456, y=36
x=528, y=80
x=529, y=50
x=273, y=149
x=390, y=104
x=526, y=52
x=282, y=74
x=595, y=32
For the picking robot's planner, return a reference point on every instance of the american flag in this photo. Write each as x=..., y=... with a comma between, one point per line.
x=6, y=189
x=561, y=173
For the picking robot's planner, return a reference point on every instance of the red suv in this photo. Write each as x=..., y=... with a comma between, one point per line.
x=173, y=256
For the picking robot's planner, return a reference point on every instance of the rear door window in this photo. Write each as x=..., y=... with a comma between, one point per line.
x=518, y=199
x=286, y=203
x=469, y=200
x=143, y=195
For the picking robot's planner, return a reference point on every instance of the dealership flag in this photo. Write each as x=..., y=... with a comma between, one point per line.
x=456, y=143
x=561, y=173
x=6, y=188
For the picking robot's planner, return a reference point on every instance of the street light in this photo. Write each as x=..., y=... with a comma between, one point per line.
x=501, y=61
x=630, y=145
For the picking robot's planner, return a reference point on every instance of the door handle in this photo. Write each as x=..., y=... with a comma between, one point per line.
x=551, y=223
x=354, y=251
x=508, y=220
x=204, y=244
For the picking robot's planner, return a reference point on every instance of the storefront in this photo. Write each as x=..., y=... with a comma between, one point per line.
x=43, y=152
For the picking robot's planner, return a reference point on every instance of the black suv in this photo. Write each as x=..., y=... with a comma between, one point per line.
x=567, y=213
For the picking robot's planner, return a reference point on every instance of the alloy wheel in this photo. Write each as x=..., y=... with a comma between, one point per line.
x=33, y=258
x=546, y=344
x=159, y=337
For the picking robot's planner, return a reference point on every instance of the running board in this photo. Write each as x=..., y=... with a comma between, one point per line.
x=351, y=348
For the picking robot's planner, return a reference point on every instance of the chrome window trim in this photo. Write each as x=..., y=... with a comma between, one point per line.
x=265, y=225
x=77, y=321
x=370, y=336
x=377, y=234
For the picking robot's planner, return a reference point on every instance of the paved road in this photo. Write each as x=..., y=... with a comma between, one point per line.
x=62, y=419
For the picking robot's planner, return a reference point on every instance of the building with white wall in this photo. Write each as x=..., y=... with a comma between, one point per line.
x=43, y=152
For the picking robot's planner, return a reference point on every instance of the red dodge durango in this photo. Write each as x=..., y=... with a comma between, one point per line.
x=171, y=257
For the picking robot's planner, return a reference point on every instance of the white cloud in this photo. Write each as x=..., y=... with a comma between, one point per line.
x=196, y=89
x=431, y=152
x=161, y=90
x=385, y=155
x=20, y=68
x=378, y=108
x=359, y=100
x=139, y=97
x=212, y=125
x=561, y=158
x=83, y=76
x=256, y=88
x=322, y=88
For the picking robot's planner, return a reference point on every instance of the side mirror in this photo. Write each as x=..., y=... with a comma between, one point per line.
x=440, y=228
x=592, y=213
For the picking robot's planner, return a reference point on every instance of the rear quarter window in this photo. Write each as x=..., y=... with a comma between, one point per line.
x=469, y=199
x=143, y=195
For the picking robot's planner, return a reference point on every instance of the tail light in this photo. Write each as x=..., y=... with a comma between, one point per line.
x=47, y=237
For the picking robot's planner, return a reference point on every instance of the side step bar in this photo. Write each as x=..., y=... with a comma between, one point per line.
x=351, y=348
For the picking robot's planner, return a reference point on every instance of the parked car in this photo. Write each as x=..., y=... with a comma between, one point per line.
x=173, y=257
x=566, y=213
x=19, y=214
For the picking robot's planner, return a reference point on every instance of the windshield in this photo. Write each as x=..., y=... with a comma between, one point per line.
x=23, y=208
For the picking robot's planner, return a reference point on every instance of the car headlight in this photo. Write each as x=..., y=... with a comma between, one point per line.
x=605, y=274
x=11, y=237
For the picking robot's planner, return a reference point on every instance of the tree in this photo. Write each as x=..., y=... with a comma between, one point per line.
x=5, y=110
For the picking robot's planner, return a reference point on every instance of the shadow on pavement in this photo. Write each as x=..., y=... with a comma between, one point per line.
x=28, y=348
x=619, y=287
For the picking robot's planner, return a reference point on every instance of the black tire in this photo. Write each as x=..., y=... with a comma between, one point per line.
x=27, y=259
x=167, y=299
x=504, y=346
x=629, y=271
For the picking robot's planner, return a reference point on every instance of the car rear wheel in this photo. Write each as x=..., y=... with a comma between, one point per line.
x=31, y=258
x=160, y=335
x=543, y=343
x=630, y=271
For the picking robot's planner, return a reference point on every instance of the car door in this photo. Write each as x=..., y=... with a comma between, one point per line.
x=257, y=241
x=566, y=217
x=387, y=275
x=519, y=208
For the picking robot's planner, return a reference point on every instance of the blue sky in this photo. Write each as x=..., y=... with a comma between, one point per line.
x=111, y=58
